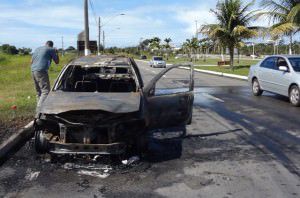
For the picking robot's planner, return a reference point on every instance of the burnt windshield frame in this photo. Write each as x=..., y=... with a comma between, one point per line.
x=295, y=62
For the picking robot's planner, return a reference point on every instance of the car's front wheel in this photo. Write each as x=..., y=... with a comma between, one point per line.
x=257, y=91
x=294, y=95
x=40, y=142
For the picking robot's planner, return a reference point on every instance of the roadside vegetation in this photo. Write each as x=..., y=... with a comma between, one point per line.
x=17, y=94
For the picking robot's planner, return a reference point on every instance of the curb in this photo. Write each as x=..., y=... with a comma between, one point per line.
x=239, y=77
x=17, y=140
x=234, y=76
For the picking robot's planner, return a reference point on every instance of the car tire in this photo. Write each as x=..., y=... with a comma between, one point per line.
x=294, y=95
x=40, y=142
x=142, y=143
x=256, y=90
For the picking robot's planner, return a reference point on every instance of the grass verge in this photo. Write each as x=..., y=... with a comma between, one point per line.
x=238, y=70
x=17, y=93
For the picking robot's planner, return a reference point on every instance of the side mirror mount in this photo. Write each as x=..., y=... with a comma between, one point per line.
x=283, y=68
x=151, y=92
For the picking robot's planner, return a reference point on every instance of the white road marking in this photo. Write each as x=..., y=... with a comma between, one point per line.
x=154, y=72
x=164, y=76
x=212, y=97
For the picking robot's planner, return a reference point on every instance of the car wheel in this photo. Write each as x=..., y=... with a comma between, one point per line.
x=142, y=143
x=40, y=142
x=294, y=95
x=257, y=91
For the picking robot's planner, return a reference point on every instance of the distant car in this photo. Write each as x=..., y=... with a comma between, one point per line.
x=278, y=74
x=158, y=61
x=143, y=57
x=99, y=105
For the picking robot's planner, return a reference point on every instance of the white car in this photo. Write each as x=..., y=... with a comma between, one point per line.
x=157, y=61
x=278, y=74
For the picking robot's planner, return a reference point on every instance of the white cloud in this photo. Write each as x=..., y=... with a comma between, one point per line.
x=189, y=17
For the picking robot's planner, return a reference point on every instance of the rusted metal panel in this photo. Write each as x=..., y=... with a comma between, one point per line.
x=59, y=102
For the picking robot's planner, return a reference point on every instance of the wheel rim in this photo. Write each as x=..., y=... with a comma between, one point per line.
x=295, y=95
x=255, y=87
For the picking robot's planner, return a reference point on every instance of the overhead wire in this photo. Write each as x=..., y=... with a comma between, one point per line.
x=93, y=11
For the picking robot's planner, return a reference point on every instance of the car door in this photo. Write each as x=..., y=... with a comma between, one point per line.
x=281, y=79
x=170, y=107
x=265, y=73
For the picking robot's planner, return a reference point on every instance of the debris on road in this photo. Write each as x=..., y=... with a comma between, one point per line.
x=131, y=160
x=31, y=175
x=103, y=175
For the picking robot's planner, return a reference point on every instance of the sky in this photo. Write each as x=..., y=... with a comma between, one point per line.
x=29, y=23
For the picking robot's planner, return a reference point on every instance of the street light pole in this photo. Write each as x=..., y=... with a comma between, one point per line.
x=196, y=28
x=103, y=40
x=99, y=31
x=86, y=29
x=99, y=35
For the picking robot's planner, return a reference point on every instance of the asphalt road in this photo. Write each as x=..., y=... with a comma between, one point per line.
x=237, y=146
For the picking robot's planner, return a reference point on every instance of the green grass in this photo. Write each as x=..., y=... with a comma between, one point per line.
x=212, y=61
x=17, y=88
x=238, y=70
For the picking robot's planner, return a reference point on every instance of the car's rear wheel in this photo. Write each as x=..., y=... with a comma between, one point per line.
x=257, y=91
x=294, y=95
x=40, y=142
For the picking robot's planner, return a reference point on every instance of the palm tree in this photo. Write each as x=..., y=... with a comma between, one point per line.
x=191, y=45
x=233, y=19
x=167, y=46
x=285, y=14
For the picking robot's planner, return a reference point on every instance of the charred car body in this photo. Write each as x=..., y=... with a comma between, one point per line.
x=99, y=105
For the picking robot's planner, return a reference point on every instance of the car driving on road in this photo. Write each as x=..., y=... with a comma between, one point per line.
x=158, y=61
x=99, y=105
x=278, y=74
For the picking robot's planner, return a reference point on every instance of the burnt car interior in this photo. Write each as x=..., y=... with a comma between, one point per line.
x=113, y=76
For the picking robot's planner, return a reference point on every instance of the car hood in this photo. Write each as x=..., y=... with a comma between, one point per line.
x=59, y=102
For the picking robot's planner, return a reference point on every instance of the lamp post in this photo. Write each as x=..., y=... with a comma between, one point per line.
x=196, y=21
x=100, y=26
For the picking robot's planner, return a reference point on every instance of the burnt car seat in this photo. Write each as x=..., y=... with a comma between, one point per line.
x=85, y=86
x=120, y=87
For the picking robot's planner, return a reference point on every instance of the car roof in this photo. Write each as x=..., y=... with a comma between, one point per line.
x=102, y=60
x=285, y=55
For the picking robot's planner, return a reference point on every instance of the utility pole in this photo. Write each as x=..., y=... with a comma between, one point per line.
x=196, y=29
x=253, y=51
x=103, y=42
x=86, y=29
x=62, y=46
x=99, y=35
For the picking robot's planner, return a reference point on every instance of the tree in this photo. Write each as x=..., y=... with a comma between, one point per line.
x=205, y=45
x=167, y=46
x=9, y=49
x=233, y=19
x=285, y=14
x=155, y=44
x=70, y=48
x=144, y=44
x=24, y=51
x=191, y=45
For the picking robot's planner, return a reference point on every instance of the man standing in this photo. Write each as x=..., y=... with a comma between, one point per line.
x=40, y=63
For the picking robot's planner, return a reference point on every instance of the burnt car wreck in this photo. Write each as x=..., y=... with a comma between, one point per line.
x=99, y=105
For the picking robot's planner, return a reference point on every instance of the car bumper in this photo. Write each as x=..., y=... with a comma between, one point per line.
x=74, y=148
x=159, y=66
